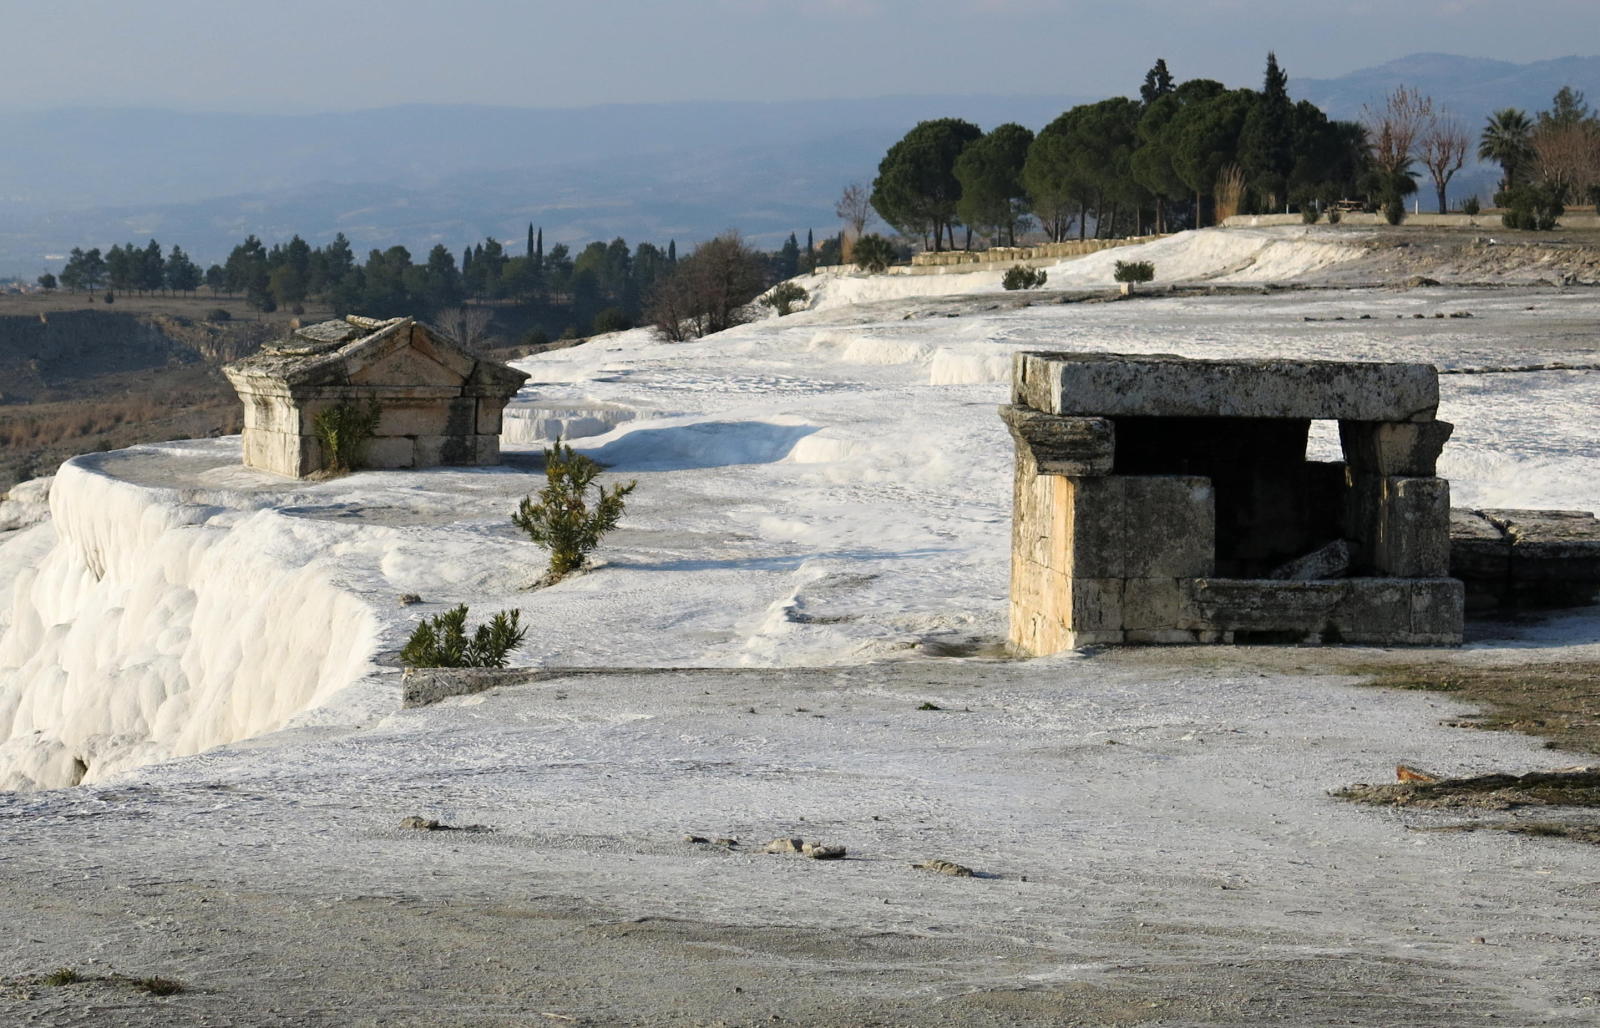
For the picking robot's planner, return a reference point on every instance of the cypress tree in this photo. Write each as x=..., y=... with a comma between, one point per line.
x=466, y=259
x=672, y=251
x=538, y=250
x=811, y=243
x=529, y=251
x=1157, y=83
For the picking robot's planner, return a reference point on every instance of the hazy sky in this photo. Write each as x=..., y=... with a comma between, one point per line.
x=338, y=54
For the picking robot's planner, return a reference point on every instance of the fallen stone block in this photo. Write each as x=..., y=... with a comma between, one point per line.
x=1330, y=561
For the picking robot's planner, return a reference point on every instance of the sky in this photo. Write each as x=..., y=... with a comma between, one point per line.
x=300, y=55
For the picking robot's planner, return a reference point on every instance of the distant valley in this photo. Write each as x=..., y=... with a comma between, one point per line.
x=419, y=175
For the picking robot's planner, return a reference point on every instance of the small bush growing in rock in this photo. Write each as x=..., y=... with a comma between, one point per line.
x=562, y=520
x=1335, y=215
x=873, y=253
x=345, y=430
x=1134, y=271
x=218, y=314
x=1019, y=277
x=1394, y=210
x=441, y=641
x=784, y=296
x=1471, y=206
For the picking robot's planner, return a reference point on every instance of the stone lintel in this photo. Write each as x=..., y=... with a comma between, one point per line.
x=1165, y=385
x=1062, y=445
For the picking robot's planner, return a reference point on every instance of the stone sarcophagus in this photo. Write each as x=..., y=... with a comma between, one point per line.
x=438, y=403
x=1160, y=499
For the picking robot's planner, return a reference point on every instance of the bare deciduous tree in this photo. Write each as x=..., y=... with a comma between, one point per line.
x=1568, y=157
x=1392, y=131
x=1442, y=147
x=854, y=208
x=468, y=326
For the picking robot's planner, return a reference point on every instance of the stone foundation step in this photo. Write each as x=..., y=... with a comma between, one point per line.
x=1526, y=558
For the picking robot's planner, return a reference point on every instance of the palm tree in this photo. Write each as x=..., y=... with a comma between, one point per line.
x=1507, y=140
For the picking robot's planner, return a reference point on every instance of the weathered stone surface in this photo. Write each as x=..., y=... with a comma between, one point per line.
x=1479, y=548
x=1413, y=528
x=489, y=411
x=1371, y=611
x=1059, y=445
x=1164, y=385
x=1330, y=561
x=1161, y=637
x=1149, y=604
x=1551, y=544
x=1436, y=611
x=429, y=389
x=1387, y=448
x=420, y=687
x=391, y=452
x=1127, y=526
x=1526, y=558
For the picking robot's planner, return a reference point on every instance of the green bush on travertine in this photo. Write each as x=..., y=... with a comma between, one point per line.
x=1471, y=207
x=562, y=520
x=1019, y=277
x=784, y=296
x=1134, y=271
x=873, y=253
x=441, y=641
x=345, y=430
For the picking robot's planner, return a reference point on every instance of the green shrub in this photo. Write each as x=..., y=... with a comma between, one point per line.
x=611, y=319
x=218, y=314
x=441, y=641
x=1534, y=208
x=562, y=520
x=345, y=430
x=1308, y=213
x=1134, y=271
x=1019, y=277
x=873, y=253
x=1394, y=210
x=784, y=296
x=1335, y=215
x=1470, y=206
x=62, y=976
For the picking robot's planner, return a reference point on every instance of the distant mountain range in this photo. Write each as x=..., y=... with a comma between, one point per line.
x=418, y=175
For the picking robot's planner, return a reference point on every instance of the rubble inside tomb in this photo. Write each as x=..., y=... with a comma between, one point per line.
x=1160, y=499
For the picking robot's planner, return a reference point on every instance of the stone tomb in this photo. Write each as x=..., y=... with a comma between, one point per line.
x=1160, y=499
x=440, y=404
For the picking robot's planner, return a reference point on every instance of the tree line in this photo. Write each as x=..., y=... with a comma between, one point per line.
x=1189, y=154
x=603, y=287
